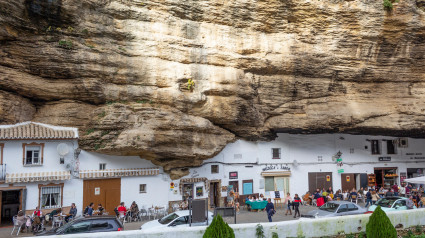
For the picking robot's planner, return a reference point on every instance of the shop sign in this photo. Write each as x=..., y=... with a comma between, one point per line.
x=233, y=175
x=276, y=167
x=171, y=185
x=347, y=178
x=340, y=171
x=97, y=191
x=328, y=178
x=420, y=157
x=384, y=158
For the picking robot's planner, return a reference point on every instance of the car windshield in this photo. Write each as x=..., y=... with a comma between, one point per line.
x=386, y=202
x=168, y=219
x=64, y=227
x=329, y=207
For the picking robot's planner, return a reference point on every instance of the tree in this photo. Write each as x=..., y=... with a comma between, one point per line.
x=219, y=229
x=380, y=226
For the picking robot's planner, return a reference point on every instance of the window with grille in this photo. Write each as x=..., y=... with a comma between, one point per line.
x=142, y=188
x=32, y=155
x=214, y=169
x=102, y=166
x=376, y=149
x=51, y=197
x=391, y=149
x=276, y=153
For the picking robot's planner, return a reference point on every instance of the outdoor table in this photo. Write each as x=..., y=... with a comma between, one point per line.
x=255, y=205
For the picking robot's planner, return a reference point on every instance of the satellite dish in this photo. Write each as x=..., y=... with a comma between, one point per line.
x=63, y=149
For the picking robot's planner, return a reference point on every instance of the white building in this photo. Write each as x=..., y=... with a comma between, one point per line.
x=300, y=163
x=41, y=165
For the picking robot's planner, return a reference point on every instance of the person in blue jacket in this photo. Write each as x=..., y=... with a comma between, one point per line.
x=270, y=209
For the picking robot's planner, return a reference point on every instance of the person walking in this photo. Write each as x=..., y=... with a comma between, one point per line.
x=288, y=204
x=368, y=198
x=270, y=209
x=296, y=204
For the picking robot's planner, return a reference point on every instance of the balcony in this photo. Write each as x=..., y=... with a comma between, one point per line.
x=2, y=172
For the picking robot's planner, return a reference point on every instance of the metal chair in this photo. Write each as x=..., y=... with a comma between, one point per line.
x=16, y=225
x=57, y=221
x=142, y=213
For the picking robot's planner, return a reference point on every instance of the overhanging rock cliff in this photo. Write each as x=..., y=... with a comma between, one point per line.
x=121, y=71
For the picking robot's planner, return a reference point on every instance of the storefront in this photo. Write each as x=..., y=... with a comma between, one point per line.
x=386, y=177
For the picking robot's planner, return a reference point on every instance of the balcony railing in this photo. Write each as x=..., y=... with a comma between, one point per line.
x=2, y=172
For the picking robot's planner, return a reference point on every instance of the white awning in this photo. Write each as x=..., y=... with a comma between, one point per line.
x=37, y=176
x=276, y=173
x=417, y=180
x=112, y=173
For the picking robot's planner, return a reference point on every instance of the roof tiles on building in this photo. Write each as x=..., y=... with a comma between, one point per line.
x=34, y=130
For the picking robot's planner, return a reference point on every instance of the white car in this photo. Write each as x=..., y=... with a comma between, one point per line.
x=178, y=218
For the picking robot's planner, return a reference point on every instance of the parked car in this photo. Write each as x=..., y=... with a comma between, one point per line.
x=178, y=218
x=390, y=204
x=336, y=208
x=87, y=225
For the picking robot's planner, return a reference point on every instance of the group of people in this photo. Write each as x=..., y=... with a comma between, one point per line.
x=289, y=203
x=37, y=218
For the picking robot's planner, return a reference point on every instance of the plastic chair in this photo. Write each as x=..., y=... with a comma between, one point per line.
x=142, y=213
x=57, y=221
x=121, y=216
x=16, y=225
x=152, y=212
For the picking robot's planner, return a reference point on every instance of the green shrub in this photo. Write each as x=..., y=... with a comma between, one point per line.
x=219, y=229
x=350, y=236
x=388, y=5
x=259, y=231
x=275, y=235
x=66, y=44
x=380, y=226
x=418, y=229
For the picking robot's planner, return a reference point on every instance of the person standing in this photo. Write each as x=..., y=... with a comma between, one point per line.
x=288, y=204
x=270, y=209
x=296, y=204
x=368, y=198
x=395, y=189
x=375, y=197
x=402, y=191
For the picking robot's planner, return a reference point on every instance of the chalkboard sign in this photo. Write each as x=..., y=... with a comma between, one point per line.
x=276, y=194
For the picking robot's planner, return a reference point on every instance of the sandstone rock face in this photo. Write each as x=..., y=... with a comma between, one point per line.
x=119, y=71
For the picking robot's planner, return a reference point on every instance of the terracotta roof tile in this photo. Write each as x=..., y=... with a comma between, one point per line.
x=34, y=130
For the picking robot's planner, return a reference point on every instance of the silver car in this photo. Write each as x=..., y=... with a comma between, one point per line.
x=336, y=208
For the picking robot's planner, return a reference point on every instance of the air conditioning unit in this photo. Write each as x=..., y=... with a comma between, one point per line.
x=402, y=143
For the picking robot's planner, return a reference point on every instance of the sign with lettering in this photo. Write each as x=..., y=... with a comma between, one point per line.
x=384, y=158
x=233, y=175
x=276, y=167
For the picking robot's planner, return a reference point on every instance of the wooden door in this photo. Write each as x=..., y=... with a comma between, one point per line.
x=104, y=191
x=319, y=181
x=348, y=182
x=235, y=185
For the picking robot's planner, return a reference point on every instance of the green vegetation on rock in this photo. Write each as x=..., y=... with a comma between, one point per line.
x=379, y=225
x=388, y=5
x=219, y=229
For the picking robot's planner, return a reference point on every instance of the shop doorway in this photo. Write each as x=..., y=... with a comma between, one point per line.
x=319, y=181
x=386, y=177
x=235, y=185
x=214, y=194
x=351, y=180
x=104, y=191
x=10, y=205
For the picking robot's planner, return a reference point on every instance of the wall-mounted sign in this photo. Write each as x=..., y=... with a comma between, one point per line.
x=416, y=157
x=384, y=158
x=328, y=178
x=171, y=185
x=233, y=175
x=347, y=178
x=97, y=191
x=413, y=153
x=199, y=191
x=276, y=167
x=340, y=171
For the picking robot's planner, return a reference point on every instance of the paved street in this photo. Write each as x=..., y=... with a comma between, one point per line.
x=243, y=217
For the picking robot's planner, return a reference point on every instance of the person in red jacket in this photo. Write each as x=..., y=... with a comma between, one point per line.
x=296, y=203
x=122, y=208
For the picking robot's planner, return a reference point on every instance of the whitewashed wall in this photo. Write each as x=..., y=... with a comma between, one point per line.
x=297, y=228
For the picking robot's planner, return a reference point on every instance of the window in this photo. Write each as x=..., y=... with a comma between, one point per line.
x=276, y=153
x=181, y=221
x=79, y=227
x=142, y=188
x=352, y=207
x=33, y=154
x=343, y=208
x=214, y=169
x=391, y=149
x=101, y=225
x=276, y=184
x=376, y=150
x=51, y=197
x=102, y=166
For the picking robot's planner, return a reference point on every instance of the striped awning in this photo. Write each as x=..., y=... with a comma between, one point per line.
x=112, y=173
x=37, y=176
